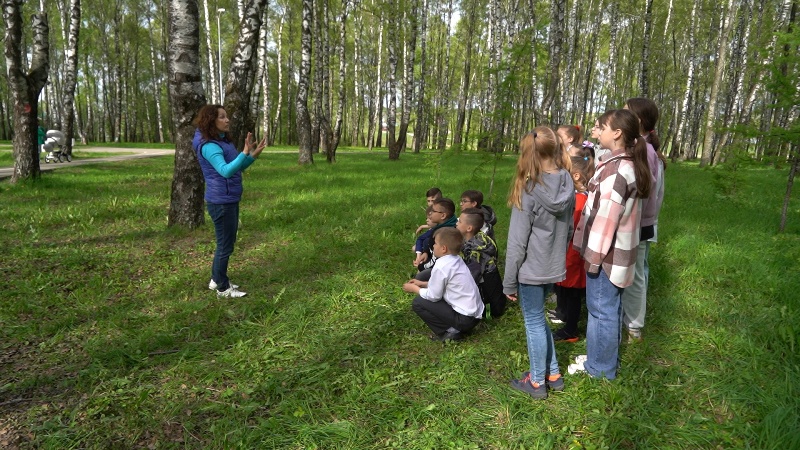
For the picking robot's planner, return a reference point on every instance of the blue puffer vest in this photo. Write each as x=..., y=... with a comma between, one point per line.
x=219, y=190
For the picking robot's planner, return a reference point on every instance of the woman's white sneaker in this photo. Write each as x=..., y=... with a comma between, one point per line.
x=572, y=369
x=231, y=292
x=213, y=286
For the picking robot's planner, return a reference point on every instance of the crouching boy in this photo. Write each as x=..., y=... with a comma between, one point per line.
x=449, y=303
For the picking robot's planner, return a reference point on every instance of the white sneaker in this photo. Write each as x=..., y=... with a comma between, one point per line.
x=213, y=286
x=572, y=369
x=231, y=292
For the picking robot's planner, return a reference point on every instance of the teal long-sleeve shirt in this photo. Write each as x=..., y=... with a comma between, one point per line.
x=213, y=154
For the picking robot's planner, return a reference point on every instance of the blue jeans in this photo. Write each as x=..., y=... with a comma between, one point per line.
x=226, y=224
x=541, y=351
x=603, y=333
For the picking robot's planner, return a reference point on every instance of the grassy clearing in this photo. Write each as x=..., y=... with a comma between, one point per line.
x=110, y=338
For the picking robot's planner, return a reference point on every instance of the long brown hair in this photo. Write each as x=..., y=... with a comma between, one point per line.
x=206, y=122
x=647, y=112
x=539, y=145
x=635, y=147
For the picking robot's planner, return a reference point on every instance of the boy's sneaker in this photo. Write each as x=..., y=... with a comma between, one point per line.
x=213, y=286
x=231, y=292
x=562, y=335
x=554, y=317
x=577, y=367
x=537, y=391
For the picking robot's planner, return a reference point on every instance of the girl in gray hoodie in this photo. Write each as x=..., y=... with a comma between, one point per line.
x=542, y=199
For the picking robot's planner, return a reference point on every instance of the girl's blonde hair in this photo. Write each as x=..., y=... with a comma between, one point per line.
x=539, y=145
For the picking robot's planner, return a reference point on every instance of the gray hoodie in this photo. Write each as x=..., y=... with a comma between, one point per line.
x=539, y=234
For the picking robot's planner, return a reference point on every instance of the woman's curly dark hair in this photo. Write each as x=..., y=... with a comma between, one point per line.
x=205, y=121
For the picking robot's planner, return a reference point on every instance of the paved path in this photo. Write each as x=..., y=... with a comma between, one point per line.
x=6, y=172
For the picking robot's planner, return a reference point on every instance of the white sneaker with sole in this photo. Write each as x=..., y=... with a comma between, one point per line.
x=213, y=286
x=231, y=292
x=572, y=369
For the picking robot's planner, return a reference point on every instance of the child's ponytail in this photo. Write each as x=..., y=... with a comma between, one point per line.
x=641, y=167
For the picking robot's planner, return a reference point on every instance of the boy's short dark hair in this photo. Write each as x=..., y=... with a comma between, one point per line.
x=473, y=217
x=450, y=238
x=447, y=206
x=473, y=195
x=434, y=192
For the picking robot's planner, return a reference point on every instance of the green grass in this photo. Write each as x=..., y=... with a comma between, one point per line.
x=110, y=338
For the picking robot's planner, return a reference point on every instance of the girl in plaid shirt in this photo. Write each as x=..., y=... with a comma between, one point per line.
x=607, y=238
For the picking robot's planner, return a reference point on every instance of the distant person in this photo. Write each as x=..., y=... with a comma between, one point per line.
x=634, y=298
x=474, y=199
x=542, y=201
x=607, y=238
x=571, y=291
x=449, y=303
x=41, y=135
x=480, y=254
x=222, y=167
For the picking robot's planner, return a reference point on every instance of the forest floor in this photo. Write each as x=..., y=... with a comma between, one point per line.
x=110, y=337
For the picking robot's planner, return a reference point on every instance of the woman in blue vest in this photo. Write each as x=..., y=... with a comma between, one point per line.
x=222, y=167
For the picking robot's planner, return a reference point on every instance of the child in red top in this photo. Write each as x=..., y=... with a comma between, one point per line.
x=570, y=291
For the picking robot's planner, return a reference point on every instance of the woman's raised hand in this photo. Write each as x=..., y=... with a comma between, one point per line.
x=253, y=149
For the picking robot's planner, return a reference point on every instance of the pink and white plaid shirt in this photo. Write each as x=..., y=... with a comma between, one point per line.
x=608, y=232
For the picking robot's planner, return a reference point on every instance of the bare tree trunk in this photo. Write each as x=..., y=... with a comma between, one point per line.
x=156, y=83
x=261, y=69
x=239, y=85
x=266, y=106
x=278, y=105
x=644, y=82
x=187, y=94
x=722, y=54
x=337, y=130
x=679, y=142
x=71, y=74
x=378, y=102
x=795, y=160
x=557, y=9
x=418, y=126
x=25, y=87
x=318, y=68
x=408, y=82
x=443, y=109
x=303, y=118
x=212, y=69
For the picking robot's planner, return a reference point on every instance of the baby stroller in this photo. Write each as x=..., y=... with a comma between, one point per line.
x=53, y=147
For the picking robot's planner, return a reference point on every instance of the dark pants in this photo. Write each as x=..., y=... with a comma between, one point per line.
x=226, y=224
x=440, y=316
x=492, y=293
x=569, y=306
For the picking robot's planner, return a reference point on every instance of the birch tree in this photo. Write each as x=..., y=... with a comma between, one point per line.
x=71, y=73
x=187, y=94
x=303, y=118
x=240, y=79
x=721, y=55
x=25, y=86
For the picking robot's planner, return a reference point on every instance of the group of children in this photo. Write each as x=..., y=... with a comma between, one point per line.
x=456, y=259
x=582, y=218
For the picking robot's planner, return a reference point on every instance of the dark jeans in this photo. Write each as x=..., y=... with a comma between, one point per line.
x=569, y=306
x=440, y=316
x=226, y=224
